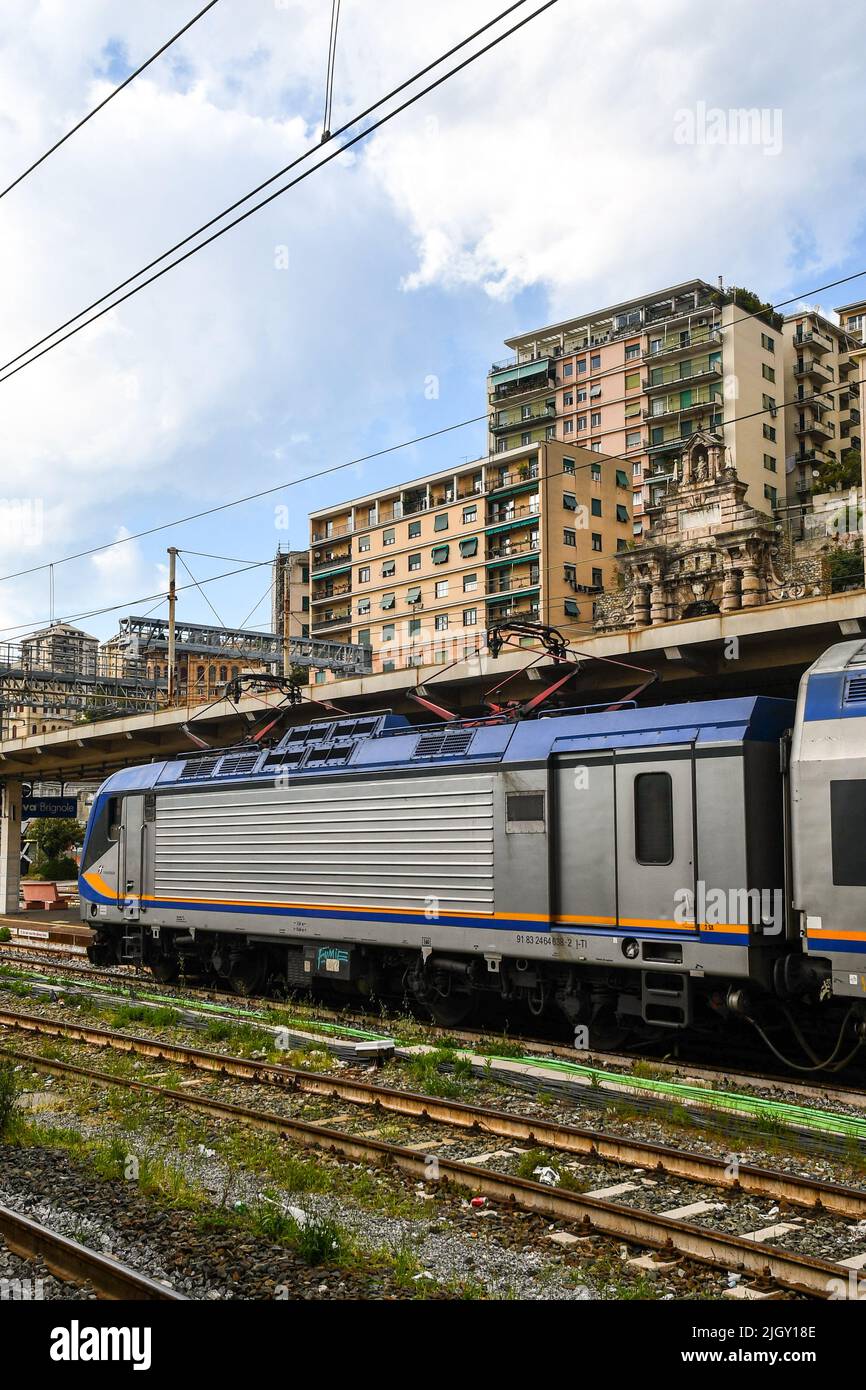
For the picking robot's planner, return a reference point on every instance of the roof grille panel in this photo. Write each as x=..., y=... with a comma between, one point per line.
x=238, y=762
x=199, y=767
x=443, y=743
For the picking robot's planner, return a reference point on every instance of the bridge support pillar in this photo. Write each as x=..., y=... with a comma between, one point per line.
x=10, y=847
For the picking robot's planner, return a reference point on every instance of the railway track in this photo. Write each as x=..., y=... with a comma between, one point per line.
x=759, y=1252
x=76, y=1264
x=142, y=987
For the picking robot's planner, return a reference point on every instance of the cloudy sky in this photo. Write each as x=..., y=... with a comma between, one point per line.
x=549, y=178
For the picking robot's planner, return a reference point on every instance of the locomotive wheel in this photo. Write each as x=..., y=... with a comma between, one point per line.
x=247, y=973
x=451, y=1011
x=165, y=969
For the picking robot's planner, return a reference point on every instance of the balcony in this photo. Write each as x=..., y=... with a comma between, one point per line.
x=524, y=421
x=510, y=379
x=814, y=339
x=710, y=371
x=687, y=341
x=510, y=584
x=509, y=611
x=512, y=477
x=332, y=591
x=506, y=514
x=322, y=559
x=332, y=534
x=812, y=367
x=672, y=407
x=514, y=548
x=330, y=622
x=822, y=429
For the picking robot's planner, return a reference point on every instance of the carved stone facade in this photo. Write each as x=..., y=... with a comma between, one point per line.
x=706, y=551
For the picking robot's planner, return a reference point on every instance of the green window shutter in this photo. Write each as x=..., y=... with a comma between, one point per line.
x=414, y=594
x=621, y=512
x=469, y=547
x=621, y=479
x=439, y=554
x=388, y=600
x=571, y=608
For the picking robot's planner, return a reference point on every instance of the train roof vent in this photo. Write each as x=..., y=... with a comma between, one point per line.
x=198, y=767
x=442, y=743
x=855, y=691
x=238, y=762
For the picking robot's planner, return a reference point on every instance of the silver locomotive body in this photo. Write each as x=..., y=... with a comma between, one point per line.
x=627, y=864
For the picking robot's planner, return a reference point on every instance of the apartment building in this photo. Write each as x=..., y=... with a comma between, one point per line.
x=852, y=317
x=418, y=572
x=635, y=380
x=822, y=420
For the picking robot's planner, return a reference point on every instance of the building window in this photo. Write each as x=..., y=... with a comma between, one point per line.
x=770, y=463
x=389, y=569
x=568, y=466
x=470, y=617
x=632, y=381
x=595, y=419
x=388, y=601
x=632, y=351
x=413, y=595
x=770, y=433
x=595, y=472
x=440, y=523
x=569, y=501
x=637, y=469
x=363, y=543
x=769, y=403
x=568, y=427
x=388, y=631
x=581, y=422
x=568, y=369
x=364, y=575
x=770, y=494
x=581, y=366
x=595, y=361
x=387, y=666
x=415, y=561
x=568, y=398
x=768, y=373
x=621, y=512
x=621, y=544
x=767, y=343
x=526, y=438
x=389, y=536
x=441, y=588
x=653, y=818
x=632, y=439
x=596, y=541
x=621, y=479
x=439, y=554
x=597, y=580
x=469, y=547
x=581, y=394
x=470, y=514
x=571, y=608
x=414, y=530
x=596, y=506
x=569, y=537
x=364, y=636
x=440, y=622
x=470, y=583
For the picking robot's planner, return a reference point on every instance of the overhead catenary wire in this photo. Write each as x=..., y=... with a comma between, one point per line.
x=111, y=95
x=329, y=78
x=305, y=174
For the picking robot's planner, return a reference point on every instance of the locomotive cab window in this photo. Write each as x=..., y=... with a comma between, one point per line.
x=653, y=818
x=104, y=831
x=847, y=818
x=524, y=812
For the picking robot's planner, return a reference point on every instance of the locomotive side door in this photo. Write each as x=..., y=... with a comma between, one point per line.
x=129, y=882
x=656, y=852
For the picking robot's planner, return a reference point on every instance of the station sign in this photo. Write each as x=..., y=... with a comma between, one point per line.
x=49, y=807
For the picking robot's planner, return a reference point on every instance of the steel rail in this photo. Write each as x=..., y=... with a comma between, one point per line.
x=76, y=1264
x=802, y=1273
x=791, y=1188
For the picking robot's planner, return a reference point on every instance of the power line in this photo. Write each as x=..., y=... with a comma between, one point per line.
x=348, y=144
x=329, y=79
x=117, y=90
